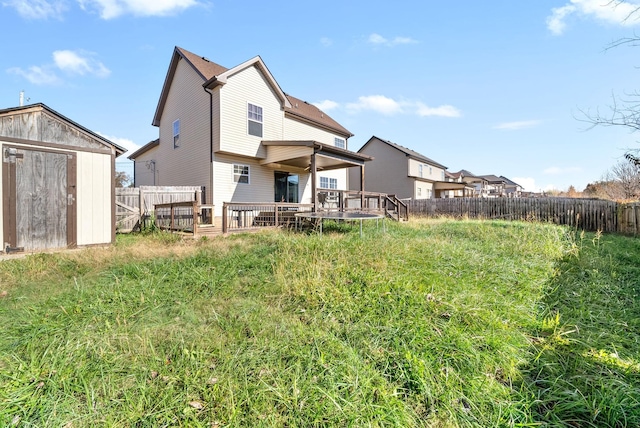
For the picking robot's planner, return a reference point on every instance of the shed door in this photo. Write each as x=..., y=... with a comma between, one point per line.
x=39, y=195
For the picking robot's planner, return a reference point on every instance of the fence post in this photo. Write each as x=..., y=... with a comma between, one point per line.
x=171, y=223
x=225, y=220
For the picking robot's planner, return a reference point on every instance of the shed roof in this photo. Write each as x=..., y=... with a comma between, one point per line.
x=40, y=106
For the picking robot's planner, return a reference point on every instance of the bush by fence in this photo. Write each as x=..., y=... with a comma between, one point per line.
x=584, y=214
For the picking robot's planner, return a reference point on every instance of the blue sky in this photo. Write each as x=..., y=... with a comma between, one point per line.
x=492, y=87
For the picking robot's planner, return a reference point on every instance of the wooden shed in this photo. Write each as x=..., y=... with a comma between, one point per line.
x=58, y=182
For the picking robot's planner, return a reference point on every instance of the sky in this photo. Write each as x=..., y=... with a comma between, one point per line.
x=500, y=87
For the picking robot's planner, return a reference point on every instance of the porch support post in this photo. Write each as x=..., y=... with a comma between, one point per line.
x=313, y=180
x=362, y=187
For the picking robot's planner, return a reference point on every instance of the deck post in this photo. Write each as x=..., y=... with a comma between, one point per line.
x=313, y=180
x=195, y=217
x=362, y=187
x=225, y=220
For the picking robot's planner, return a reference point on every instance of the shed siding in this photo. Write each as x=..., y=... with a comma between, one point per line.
x=248, y=86
x=187, y=165
x=94, y=184
x=93, y=196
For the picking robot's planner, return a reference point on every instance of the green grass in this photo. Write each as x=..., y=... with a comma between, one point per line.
x=433, y=323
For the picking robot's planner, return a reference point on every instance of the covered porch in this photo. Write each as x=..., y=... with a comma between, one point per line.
x=313, y=157
x=459, y=190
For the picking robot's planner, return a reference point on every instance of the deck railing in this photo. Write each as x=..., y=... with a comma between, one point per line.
x=183, y=216
x=244, y=216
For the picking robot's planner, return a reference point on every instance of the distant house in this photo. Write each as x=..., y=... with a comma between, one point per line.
x=473, y=186
x=402, y=172
x=499, y=187
x=57, y=182
x=237, y=134
x=511, y=188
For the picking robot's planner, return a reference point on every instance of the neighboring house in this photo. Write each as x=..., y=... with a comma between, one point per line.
x=512, y=189
x=470, y=188
x=492, y=186
x=400, y=171
x=237, y=134
x=500, y=187
x=57, y=182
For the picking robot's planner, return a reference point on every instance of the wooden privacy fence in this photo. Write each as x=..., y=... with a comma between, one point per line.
x=134, y=205
x=584, y=214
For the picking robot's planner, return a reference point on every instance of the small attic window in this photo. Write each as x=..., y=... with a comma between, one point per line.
x=339, y=142
x=176, y=134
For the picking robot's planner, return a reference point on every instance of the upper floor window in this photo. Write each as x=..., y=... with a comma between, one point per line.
x=241, y=173
x=420, y=170
x=254, y=116
x=328, y=183
x=339, y=142
x=176, y=134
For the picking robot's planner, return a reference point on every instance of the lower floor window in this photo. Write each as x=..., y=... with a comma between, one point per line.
x=328, y=183
x=241, y=173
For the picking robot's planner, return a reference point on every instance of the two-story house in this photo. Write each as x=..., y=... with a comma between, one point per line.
x=402, y=172
x=237, y=134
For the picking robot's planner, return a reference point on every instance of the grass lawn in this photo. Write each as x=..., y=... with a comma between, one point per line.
x=434, y=323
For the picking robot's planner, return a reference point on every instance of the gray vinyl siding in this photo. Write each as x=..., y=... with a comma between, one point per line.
x=144, y=169
x=387, y=173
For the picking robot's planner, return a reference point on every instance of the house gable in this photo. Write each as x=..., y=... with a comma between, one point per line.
x=248, y=86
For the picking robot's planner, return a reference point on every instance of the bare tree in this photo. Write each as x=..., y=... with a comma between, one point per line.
x=627, y=175
x=625, y=111
x=122, y=179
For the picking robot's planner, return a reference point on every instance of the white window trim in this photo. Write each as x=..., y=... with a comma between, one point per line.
x=342, y=140
x=233, y=172
x=330, y=181
x=253, y=120
x=176, y=142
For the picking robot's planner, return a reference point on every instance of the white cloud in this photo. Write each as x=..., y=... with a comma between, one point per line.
x=378, y=103
x=79, y=63
x=527, y=183
x=612, y=12
x=514, y=126
x=442, y=111
x=326, y=105
x=37, y=75
x=389, y=106
x=377, y=39
x=326, y=42
x=37, y=9
x=70, y=62
x=555, y=170
x=122, y=142
x=109, y=9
